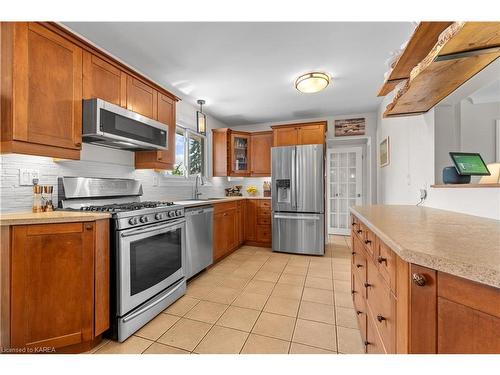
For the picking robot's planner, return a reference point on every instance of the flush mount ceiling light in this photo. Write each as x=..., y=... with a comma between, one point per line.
x=312, y=82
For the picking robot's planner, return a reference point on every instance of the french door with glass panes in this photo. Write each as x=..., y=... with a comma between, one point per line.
x=344, y=187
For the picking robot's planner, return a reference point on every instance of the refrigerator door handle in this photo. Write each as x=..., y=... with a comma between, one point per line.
x=297, y=217
x=293, y=184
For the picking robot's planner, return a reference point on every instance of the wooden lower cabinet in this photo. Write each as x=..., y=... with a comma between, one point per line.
x=245, y=221
x=408, y=308
x=59, y=286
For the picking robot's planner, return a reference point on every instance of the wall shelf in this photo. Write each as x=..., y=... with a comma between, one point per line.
x=464, y=186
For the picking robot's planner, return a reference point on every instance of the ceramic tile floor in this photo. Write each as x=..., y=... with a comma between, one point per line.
x=257, y=301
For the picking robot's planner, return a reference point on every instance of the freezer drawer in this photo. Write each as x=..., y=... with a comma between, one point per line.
x=299, y=233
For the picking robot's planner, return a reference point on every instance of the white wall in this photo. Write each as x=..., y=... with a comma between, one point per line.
x=412, y=167
x=104, y=162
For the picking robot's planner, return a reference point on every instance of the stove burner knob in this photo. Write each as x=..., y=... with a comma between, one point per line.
x=171, y=213
x=144, y=219
x=178, y=212
x=133, y=221
x=159, y=216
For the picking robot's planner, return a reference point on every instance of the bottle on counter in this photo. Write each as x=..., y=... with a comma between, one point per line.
x=37, y=196
x=47, y=204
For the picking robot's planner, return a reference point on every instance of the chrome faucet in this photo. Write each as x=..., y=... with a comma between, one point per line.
x=197, y=193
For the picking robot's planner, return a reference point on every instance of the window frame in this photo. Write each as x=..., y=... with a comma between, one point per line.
x=186, y=132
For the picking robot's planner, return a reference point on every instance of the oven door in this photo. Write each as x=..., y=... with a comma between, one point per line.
x=149, y=260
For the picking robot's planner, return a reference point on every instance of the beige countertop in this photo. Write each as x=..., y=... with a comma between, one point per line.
x=22, y=218
x=462, y=245
x=205, y=202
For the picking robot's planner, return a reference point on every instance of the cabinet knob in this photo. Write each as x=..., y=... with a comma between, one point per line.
x=353, y=253
x=381, y=259
x=367, y=285
x=88, y=226
x=353, y=292
x=366, y=343
x=367, y=242
x=380, y=318
x=359, y=312
x=78, y=144
x=359, y=265
x=353, y=223
x=359, y=231
x=418, y=279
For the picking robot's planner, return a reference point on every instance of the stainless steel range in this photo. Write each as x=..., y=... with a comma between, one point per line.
x=147, y=247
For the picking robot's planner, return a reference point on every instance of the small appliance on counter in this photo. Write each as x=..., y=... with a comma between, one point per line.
x=147, y=245
x=234, y=191
x=467, y=164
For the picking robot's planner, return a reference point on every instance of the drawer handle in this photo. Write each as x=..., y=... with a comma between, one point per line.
x=418, y=279
x=380, y=318
x=353, y=292
x=367, y=242
x=367, y=343
x=367, y=285
x=353, y=223
x=382, y=260
x=359, y=231
x=359, y=312
x=359, y=265
x=353, y=253
x=88, y=226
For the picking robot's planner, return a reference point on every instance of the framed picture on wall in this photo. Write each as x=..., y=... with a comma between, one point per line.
x=384, y=153
x=350, y=127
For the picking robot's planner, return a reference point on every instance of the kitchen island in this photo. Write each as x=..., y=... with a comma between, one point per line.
x=425, y=280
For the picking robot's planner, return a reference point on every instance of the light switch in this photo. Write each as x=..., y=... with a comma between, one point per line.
x=26, y=176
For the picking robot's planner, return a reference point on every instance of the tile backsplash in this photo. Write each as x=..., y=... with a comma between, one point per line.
x=95, y=162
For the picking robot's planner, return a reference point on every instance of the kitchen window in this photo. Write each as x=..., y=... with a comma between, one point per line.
x=190, y=151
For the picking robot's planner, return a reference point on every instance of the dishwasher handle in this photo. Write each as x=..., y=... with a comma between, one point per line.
x=197, y=211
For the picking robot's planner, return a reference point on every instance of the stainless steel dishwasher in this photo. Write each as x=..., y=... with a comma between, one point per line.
x=199, y=239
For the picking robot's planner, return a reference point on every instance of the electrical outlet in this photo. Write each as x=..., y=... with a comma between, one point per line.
x=26, y=176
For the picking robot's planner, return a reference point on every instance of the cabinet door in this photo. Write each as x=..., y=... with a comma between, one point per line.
x=219, y=244
x=103, y=80
x=240, y=154
x=219, y=152
x=251, y=220
x=285, y=137
x=47, y=88
x=241, y=222
x=260, y=160
x=311, y=134
x=231, y=225
x=52, y=281
x=141, y=98
x=166, y=115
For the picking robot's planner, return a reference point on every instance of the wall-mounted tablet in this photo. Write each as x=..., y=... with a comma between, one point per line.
x=469, y=164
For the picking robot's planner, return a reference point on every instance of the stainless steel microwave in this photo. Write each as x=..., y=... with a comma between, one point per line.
x=109, y=125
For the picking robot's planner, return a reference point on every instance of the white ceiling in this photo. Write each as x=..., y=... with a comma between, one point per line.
x=245, y=71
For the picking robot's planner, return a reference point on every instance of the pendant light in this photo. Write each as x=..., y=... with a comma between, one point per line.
x=201, y=119
x=312, y=82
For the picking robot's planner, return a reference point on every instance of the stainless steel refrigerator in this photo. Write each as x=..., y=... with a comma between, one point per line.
x=298, y=199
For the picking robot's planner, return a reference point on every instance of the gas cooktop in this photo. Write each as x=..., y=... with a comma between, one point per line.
x=123, y=207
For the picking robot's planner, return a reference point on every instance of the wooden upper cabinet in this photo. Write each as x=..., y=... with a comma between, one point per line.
x=299, y=134
x=286, y=136
x=220, y=148
x=103, y=80
x=240, y=146
x=165, y=114
x=52, y=283
x=41, y=92
x=260, y=155
x=142, y=98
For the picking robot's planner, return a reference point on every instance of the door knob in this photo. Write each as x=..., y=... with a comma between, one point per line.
x=418, y=279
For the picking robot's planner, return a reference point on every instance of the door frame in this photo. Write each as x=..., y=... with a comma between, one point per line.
x=359, y=152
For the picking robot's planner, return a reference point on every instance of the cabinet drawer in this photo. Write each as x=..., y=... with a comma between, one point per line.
x=358, y=297
x=386, y=260
x=264, y=219
x=369, y=240
x=225, y=206
x=265, y=203
x=354, y=224
x=382, y=305
x=373, y=343
x=359, y=260
x=264, y=233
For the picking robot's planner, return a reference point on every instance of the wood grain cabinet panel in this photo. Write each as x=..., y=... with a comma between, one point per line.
x=52, y=285
x=285, y=137
x=142, y=98
x=260, y=157
x=103, y=80
x=299, y=134
x=311, y=134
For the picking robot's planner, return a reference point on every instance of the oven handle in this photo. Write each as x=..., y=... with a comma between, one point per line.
x=152, y=228
x=145, y=308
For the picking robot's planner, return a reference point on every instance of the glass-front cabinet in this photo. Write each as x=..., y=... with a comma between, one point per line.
x=240, y=151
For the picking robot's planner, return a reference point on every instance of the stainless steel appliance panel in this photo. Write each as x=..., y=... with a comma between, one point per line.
x=199, y=239
x=283, y=175
x=300, y=233
x=150, y=259
x=309, y=173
